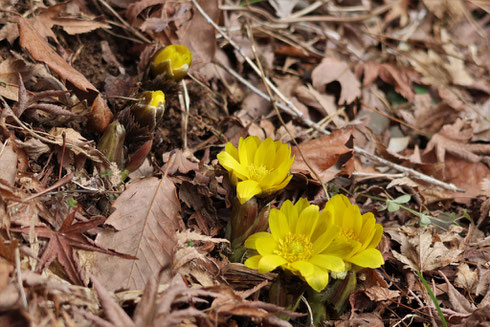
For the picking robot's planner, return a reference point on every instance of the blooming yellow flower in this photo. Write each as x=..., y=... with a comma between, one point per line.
x=298, y=242
x=257, y=167
x=360, y=231
x=173, y=61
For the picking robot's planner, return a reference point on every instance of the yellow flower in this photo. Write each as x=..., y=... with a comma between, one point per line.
x=173, y=61
x=257, y=167
x=360, y=231
x=298, y=242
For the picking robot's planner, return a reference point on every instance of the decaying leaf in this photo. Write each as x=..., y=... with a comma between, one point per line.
x=331, y=69
x=63, y=241
x=419, y=252
x=322, y=153
x=146, y=221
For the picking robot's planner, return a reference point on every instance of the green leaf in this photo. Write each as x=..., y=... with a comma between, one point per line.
x=424, y=220
x=393, y=206
x=402, y=199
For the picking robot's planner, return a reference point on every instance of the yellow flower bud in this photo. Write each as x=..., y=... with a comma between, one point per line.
x=149, y=111
x=172, y=61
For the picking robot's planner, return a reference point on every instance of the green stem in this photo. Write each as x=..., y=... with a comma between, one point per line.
x=433, y=297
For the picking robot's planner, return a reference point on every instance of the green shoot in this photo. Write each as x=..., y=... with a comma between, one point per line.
x=433, y=297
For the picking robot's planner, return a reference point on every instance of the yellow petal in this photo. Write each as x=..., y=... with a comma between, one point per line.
x=369, y=258
x=324, y=240
x=229, y=163
x=250, y=241
x=278, y=175
x=368, y=228
x=247, y=189
x=329, y=262
x=230, y=148
x=283, y=153
x=244, y=154
x=307, y=219
x=289, y=210
x=305, y=268
x=278, y=224
x=342, y=248
x=378, y=233
x=318, y=280
x=270, y=262
x=265, y=154
x=265, y=245
x=253, y=262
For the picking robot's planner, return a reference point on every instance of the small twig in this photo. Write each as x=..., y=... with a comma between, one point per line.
x=125, y=23
x=291, y=109
x=19, y=278
x=184, y=100
x=308, y=307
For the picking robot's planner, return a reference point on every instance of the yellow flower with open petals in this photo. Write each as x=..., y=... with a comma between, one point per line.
x=360, y=231
x=257, y=167
x=298, y=242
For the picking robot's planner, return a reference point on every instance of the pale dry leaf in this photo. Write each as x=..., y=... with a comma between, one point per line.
x=146, y=220
x=378, y=293
x=331, y=69
x=10, y=69
x=420, y=253
x=8, y=163
x=466, y=278
x=454, y=139
x=283, y=8
x=458, y=301
x=77, y=144
x=10, y=32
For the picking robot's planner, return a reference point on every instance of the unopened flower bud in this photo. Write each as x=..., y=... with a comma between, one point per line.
x=149, y=111
x=112, y=141
x=173, y=62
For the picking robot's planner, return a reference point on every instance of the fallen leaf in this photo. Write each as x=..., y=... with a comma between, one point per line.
x=322, y=153
x=454, y=139
x=331, y=69
x=466, y=278
x=378, y=293
x=40, y=50
x=62, y=242
x=457, y=300
x=420, y=253
x=146, y=221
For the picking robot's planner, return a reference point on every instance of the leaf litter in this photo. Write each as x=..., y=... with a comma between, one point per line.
x=407, y=82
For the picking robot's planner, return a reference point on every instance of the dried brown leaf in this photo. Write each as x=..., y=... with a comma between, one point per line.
x=420, y=253
x=146, y=221
x=322, y=153
x=332, y=69
x=454, y=139
x=458, y=301
x=466, y=278
x=378, y=293
x=40, y=50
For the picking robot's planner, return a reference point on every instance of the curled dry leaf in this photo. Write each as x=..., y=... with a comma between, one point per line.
x=146, y=220
x=420, y=253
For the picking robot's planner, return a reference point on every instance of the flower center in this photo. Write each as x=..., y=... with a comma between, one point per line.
x=349, y=233
x=295, y=247
x=258, y=172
